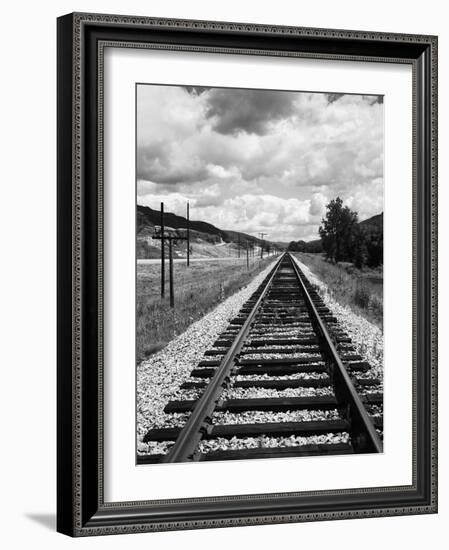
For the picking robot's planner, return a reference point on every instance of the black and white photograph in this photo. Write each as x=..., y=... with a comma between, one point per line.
x=259, y=273
x=247, y=276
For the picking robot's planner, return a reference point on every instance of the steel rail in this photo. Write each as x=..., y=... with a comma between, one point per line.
x=191, y=434
x=364, y=435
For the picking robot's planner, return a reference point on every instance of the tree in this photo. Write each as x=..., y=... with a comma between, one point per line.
x=337, y=229
x=375, y=248
x=359, y=251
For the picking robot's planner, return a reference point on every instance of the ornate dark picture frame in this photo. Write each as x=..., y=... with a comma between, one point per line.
x=81, y=509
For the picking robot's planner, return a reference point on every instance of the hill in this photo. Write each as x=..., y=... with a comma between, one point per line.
x=206, y=239
x=146, y=216
x=375, y=223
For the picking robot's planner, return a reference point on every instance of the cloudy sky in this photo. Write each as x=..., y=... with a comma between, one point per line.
x=258, y=160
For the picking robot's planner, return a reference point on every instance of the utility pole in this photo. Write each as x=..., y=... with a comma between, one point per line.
x=162, y=252
x=247, y=256
x=188, y=234
x=170, y=240
x=170, y=255
x=238, y=243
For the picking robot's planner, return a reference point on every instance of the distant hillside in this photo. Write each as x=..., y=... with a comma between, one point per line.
x=204, y=236
x=306, y=246
x=235, y=237
x=372, y=226
x=146, y=216
x=375, y=223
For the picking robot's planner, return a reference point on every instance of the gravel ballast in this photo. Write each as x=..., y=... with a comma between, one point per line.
x=262, y=349
x=266, y=442
x=258, y=393
x=291, y=356
x=158, y=447
x=295, y=376
x=159, y=377
x=366, y=337
x=262, y=417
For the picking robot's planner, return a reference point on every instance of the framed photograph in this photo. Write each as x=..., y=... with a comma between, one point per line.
x=247, y=278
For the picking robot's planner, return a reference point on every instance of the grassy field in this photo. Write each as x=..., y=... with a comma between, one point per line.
x=360, y=289
x=198, y=289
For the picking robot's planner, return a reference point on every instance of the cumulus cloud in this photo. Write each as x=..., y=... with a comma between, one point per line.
x=279, y=218
x=251, y=111
x=317, y=204
x=259, y=160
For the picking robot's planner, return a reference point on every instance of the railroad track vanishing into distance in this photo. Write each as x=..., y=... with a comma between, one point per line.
x=282, y=380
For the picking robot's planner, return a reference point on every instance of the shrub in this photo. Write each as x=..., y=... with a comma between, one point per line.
x=362, y=296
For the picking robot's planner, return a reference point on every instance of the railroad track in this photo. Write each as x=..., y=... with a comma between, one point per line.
x=283, y=379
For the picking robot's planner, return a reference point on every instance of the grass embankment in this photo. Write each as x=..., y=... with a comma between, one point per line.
x=360, y=289
x=198, y=289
